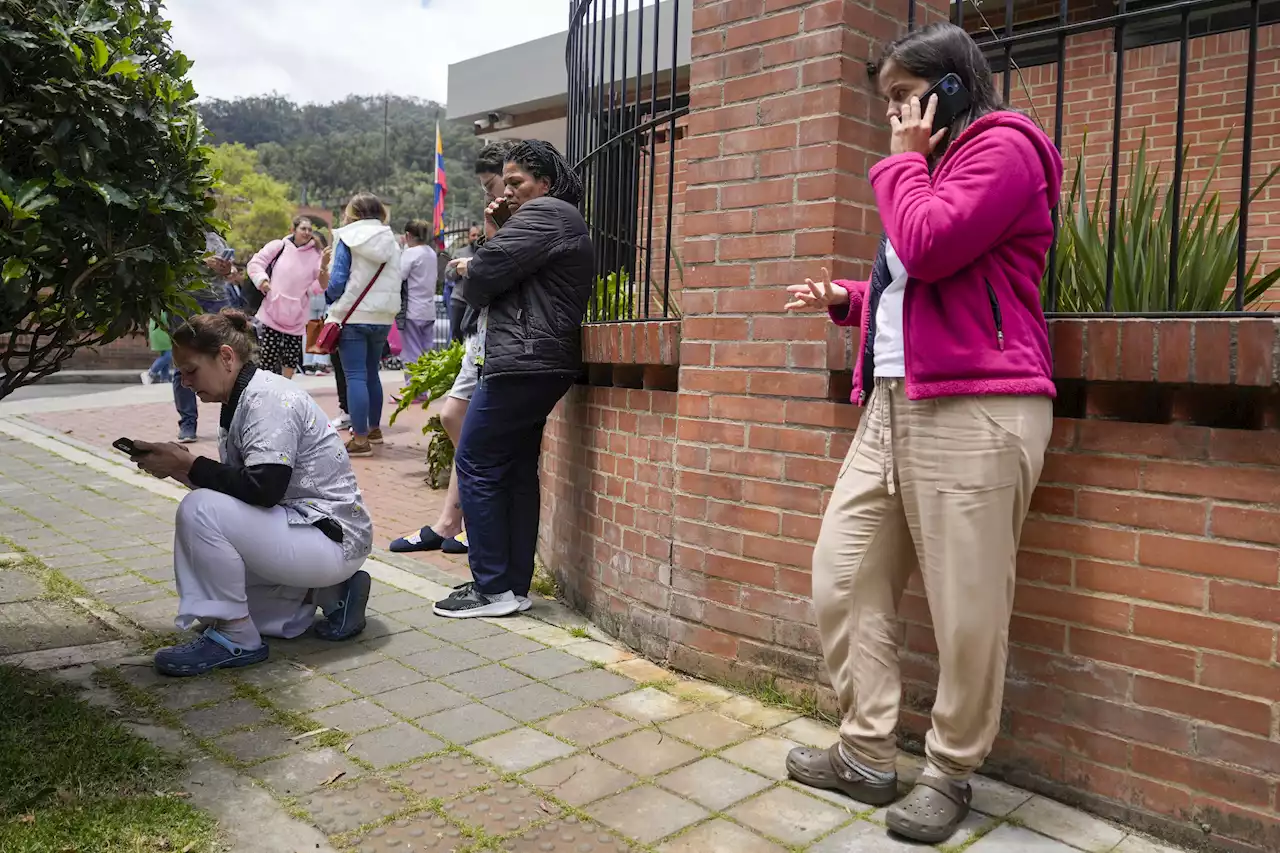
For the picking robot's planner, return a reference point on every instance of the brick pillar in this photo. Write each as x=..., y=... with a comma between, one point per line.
x=783, y=129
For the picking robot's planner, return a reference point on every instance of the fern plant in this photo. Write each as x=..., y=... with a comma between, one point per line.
x=1207, y=245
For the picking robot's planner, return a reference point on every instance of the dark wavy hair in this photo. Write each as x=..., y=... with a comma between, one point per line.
x=543, y=161
x=932, y=53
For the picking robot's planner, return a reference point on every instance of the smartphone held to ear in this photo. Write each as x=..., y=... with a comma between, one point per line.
x=953, y=100
x=501, y=212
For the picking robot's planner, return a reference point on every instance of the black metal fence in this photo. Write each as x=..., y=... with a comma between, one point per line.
x=1172, y=266
x=627, y=92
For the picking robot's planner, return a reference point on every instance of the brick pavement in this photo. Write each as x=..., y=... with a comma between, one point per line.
x=512, y=734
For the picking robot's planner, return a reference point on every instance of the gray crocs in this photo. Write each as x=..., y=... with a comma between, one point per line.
x=932, y=811
x=828, y=770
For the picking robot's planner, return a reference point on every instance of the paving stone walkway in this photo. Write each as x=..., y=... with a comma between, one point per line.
x=522, y=734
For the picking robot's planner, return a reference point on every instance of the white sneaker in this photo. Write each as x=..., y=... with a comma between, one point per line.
x=525, y=603
x=341, y=422
x=147, y=378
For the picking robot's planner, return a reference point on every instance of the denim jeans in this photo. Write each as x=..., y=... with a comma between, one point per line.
x=162, y=367
x=184, y=399
x=497, y=468
x=360, y=348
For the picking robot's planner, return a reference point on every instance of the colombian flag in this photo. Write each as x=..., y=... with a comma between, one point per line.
x=442, y=188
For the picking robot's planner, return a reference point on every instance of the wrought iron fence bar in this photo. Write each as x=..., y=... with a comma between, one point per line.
x=1008, y=51
x=641, y=269
x=1141, y=315
x=1179, y=158
x=911, y=15
x=1113, y=203
x=1246, y=157
x=652, y=163
x=958, y=15
x=1059, y=109
x=1096, y=24
x=671, y=159
x=637, y=130
x=596, y=124
x=611, y=200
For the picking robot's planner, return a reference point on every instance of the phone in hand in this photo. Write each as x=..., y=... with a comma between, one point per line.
x=501, y=212
x=126, y=446
x=953, y=100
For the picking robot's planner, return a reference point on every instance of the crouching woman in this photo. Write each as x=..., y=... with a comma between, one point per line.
x=274, y=529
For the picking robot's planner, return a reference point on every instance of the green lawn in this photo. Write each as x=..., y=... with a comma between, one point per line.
x=75, y=780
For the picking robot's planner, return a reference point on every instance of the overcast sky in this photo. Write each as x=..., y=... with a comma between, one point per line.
x=323, y=50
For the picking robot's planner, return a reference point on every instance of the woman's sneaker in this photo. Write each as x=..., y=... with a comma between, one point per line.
x=468, y=602
x=357, y=446
x=341, y=422
x=375, y=436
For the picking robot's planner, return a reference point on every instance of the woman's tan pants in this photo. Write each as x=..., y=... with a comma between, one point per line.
x=942, y=485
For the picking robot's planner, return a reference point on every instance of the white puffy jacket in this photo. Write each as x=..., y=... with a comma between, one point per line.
x=372, y=244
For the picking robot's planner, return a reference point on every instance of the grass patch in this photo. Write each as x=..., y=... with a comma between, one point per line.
x=580, y=632
x=544, y=584
x=76, y=780
x=57, y=586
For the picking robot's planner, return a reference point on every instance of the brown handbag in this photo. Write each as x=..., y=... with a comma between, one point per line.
x=313, y=336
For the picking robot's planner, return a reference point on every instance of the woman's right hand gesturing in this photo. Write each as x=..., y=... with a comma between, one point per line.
x=816, y=295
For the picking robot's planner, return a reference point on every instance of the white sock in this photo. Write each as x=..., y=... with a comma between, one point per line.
x=242, y=632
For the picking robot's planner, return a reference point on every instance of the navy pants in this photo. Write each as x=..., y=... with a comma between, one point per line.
x=497, y=466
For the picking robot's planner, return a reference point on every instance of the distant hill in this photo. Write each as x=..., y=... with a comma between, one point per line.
x=327, y=152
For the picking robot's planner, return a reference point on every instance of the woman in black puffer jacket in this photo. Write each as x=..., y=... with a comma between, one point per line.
x=531, y=281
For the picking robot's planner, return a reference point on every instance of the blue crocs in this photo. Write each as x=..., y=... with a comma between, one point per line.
x=205, y=653
x=347, y=618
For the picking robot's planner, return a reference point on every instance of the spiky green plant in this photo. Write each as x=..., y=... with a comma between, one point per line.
x=1207, y=245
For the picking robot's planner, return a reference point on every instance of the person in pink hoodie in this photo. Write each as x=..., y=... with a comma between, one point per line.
x=287, y=271
x=954, y=371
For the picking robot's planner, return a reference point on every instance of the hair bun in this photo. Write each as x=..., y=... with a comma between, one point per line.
x=237, y=319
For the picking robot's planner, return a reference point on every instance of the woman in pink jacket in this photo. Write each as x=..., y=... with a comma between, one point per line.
x=954, y=371
x=287, y=272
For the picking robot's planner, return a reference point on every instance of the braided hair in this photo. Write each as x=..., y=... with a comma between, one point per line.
x=542, y=161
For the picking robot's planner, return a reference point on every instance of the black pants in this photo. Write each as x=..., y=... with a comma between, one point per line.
x=340, y=378
x=497, y=465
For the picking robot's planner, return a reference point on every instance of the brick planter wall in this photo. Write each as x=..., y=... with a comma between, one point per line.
x=1143, y=675
x=1143, y=679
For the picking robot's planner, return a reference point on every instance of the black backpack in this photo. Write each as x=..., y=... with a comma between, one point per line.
x=249, y=291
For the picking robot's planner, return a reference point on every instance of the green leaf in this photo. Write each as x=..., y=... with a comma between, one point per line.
x=100, y=53
x=77, y=53
x=30, y=190
x=125, y=67
x=116, y=196
x=14, y=268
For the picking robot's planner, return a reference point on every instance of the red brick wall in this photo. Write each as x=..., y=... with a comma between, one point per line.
x=684, y=521
x=1143, y=673
x=129, y=353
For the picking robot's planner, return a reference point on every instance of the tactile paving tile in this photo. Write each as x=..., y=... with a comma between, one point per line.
x=501, y=810
x=344, y=809
x=444, y=776
x=426, y=832
x=566, y=836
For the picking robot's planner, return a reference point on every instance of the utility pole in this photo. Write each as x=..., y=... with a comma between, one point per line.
x=386, y=156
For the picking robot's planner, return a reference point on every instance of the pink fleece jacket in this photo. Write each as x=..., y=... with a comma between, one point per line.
x=973, y=237
x=296, y=275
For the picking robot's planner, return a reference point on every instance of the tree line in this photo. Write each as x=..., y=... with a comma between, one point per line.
x=326, y=152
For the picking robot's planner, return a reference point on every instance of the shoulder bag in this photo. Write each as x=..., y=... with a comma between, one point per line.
x=327, y=341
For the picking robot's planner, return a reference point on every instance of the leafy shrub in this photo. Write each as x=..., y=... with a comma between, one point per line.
x=430, y=378
x=103, y=178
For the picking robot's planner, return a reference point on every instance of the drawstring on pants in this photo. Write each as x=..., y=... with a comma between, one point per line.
x=883, y=399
